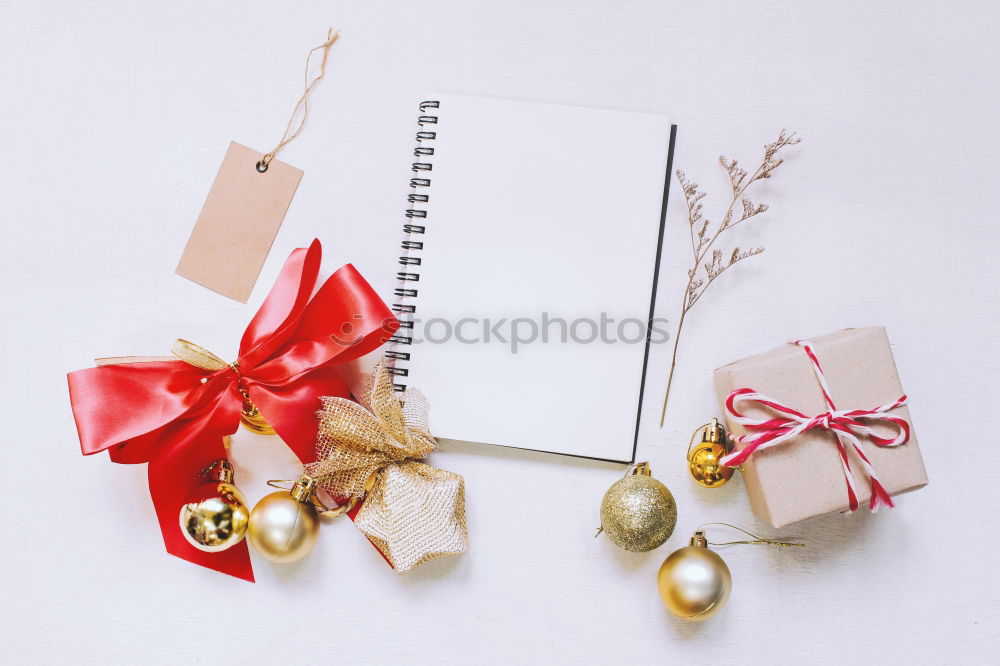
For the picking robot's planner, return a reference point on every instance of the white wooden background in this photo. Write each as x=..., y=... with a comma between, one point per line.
x=115, y=116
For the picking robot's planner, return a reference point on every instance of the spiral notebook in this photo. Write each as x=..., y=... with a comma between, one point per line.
x=526, y=287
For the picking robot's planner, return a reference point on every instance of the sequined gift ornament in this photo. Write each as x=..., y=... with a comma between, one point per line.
x=369, y=449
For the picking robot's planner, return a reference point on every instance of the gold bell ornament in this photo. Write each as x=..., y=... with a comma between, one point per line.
x=703, y=459
x=215, y=516
x=251, y=419
x=638, y=513
x=285, y=524
x=694, y=581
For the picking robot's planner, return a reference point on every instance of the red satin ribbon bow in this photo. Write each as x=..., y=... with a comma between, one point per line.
x=173, y=415
x=847, y=425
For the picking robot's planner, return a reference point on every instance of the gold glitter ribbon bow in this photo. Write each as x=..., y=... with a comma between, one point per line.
x=412, y=512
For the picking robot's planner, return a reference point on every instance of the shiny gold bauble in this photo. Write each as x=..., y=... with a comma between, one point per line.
x=694, y=581
x=703, y=459
x=252, y=420
x=638, y=512
x=704, y=465
x=283, y=528
x=215, y=516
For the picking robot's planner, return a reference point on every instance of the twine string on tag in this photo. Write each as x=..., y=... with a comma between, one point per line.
x=301, y=111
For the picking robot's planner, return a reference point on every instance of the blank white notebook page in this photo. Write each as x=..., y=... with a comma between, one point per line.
x=536, y=273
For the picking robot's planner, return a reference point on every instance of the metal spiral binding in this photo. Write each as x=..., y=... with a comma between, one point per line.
x=422, y=166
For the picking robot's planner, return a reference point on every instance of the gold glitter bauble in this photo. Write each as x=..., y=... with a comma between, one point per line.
x=638, y=512
x=694, y=581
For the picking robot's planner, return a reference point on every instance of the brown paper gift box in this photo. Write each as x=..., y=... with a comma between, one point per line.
x=802, y=477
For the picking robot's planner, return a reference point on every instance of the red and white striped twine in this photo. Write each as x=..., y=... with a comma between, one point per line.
x=846, y=425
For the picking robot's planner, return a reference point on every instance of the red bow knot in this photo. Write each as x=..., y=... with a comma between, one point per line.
x=173, y=413
x=847, y=426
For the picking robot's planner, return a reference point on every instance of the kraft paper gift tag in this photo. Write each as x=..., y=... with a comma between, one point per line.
x=245, y=207
x=238, y=222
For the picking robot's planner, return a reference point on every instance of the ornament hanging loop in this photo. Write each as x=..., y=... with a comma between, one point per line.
x=712, y=432
x=700, y=533
x=639, y=469
x=304, y=490
x=218, y=470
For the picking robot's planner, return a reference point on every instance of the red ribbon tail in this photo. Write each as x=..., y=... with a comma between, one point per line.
x=172, y=475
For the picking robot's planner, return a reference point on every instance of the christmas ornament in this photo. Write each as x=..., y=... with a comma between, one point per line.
x=703, y=459
x=173, y=412
x=411, y=512
x=251, y=419
x=694, y=581
x=215, y=516
x=285, y=524
x=638, y=512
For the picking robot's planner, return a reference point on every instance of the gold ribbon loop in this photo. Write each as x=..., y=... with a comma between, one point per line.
x=197, y=356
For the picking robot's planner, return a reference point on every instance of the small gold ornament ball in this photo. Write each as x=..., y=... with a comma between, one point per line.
x=282, y=528
x=705, y=467
x=638, y=512
x=694, y=581
x=216, y=517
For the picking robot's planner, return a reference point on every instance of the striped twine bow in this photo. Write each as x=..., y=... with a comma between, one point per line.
x=846, y=425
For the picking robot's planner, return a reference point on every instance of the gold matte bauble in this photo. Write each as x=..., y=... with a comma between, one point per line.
x=215, y=516
x=694, y=581
x=283, y=528
x=638, y=512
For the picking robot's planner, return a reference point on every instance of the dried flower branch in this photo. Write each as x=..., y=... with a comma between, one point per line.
x=706, y=268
